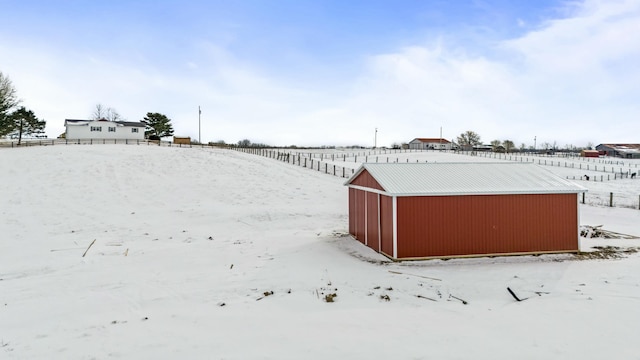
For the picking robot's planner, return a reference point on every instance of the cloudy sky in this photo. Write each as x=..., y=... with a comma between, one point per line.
x=329, y=72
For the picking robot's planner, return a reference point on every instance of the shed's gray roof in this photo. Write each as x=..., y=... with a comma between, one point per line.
x=466, y=178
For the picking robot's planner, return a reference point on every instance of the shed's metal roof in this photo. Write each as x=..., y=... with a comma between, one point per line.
x=466, y=178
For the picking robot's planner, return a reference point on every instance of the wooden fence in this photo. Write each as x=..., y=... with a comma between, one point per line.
x=299, y=159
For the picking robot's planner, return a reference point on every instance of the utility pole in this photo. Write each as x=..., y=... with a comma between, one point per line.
x=534, y=142
x=199, y=113
x=375, y=139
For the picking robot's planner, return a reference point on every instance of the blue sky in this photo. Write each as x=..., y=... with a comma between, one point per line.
x=330, y=72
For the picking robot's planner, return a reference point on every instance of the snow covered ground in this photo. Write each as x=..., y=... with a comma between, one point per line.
x=217, y=254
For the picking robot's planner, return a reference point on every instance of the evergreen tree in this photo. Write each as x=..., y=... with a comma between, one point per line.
x=158, y=125
x=24, y=122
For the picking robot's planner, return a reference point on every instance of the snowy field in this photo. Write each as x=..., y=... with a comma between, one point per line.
x=217, y=254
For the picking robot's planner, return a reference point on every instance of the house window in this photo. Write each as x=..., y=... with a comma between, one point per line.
x=96, y=128
x=134, y=130
x=112, y=129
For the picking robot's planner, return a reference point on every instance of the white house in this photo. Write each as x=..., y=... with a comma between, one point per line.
x=104, y=129
x=430, y=144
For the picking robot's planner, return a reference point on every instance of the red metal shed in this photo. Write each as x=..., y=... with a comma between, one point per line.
x=439, y=210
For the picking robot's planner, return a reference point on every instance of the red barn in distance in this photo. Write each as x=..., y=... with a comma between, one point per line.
x=442, y=210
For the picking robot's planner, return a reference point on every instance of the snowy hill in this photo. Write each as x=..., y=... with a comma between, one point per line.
x=216, y=254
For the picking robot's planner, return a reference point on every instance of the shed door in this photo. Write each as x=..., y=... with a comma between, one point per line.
x=373, y=224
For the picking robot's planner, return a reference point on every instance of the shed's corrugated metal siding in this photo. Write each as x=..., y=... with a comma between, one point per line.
x=356, y=214
x=360, y=218
x=386, y=224
x=366, y=180
x=431, y=226
x=352, y=211
x=373, y=241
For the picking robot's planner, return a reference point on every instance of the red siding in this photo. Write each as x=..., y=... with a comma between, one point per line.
x=352, y=211
x=432, y=226
x=386, y=224
x=373, y=240
x=366, y=180
x=356, y=214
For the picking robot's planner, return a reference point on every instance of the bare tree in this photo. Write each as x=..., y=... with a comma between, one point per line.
x=98, y=112
x=495, y=144
x=508, y=145
x=8, y=101
x=8, y=97
x=468, y=139
x=105, y=113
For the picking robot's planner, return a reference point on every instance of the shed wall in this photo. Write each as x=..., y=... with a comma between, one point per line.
x=357, y=214
x=373, y=239
x=366, y=180
x=386, y=225
x=432, y=226
x=352, y=211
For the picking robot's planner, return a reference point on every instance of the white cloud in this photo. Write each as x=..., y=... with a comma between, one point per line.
x=570, y=82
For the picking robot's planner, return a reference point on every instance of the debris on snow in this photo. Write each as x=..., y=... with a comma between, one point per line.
x=588, y=231
x=424, y=297
x=606, y=252
x=90, y=245
x=424, y=277
x=464, y=302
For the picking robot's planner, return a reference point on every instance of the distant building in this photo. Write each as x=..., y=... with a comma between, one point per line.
x=182, y=140
x=627, y=151
x=430, y=144
x=481, y=147
x=103, y=129
x=589, y=153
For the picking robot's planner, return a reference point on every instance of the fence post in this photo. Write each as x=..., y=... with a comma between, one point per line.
x=610, y=199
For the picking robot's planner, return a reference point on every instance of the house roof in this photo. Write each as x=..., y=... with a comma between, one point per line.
x=622, y=146
x=432, y=140
x=431, y=179
x=80, y=122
